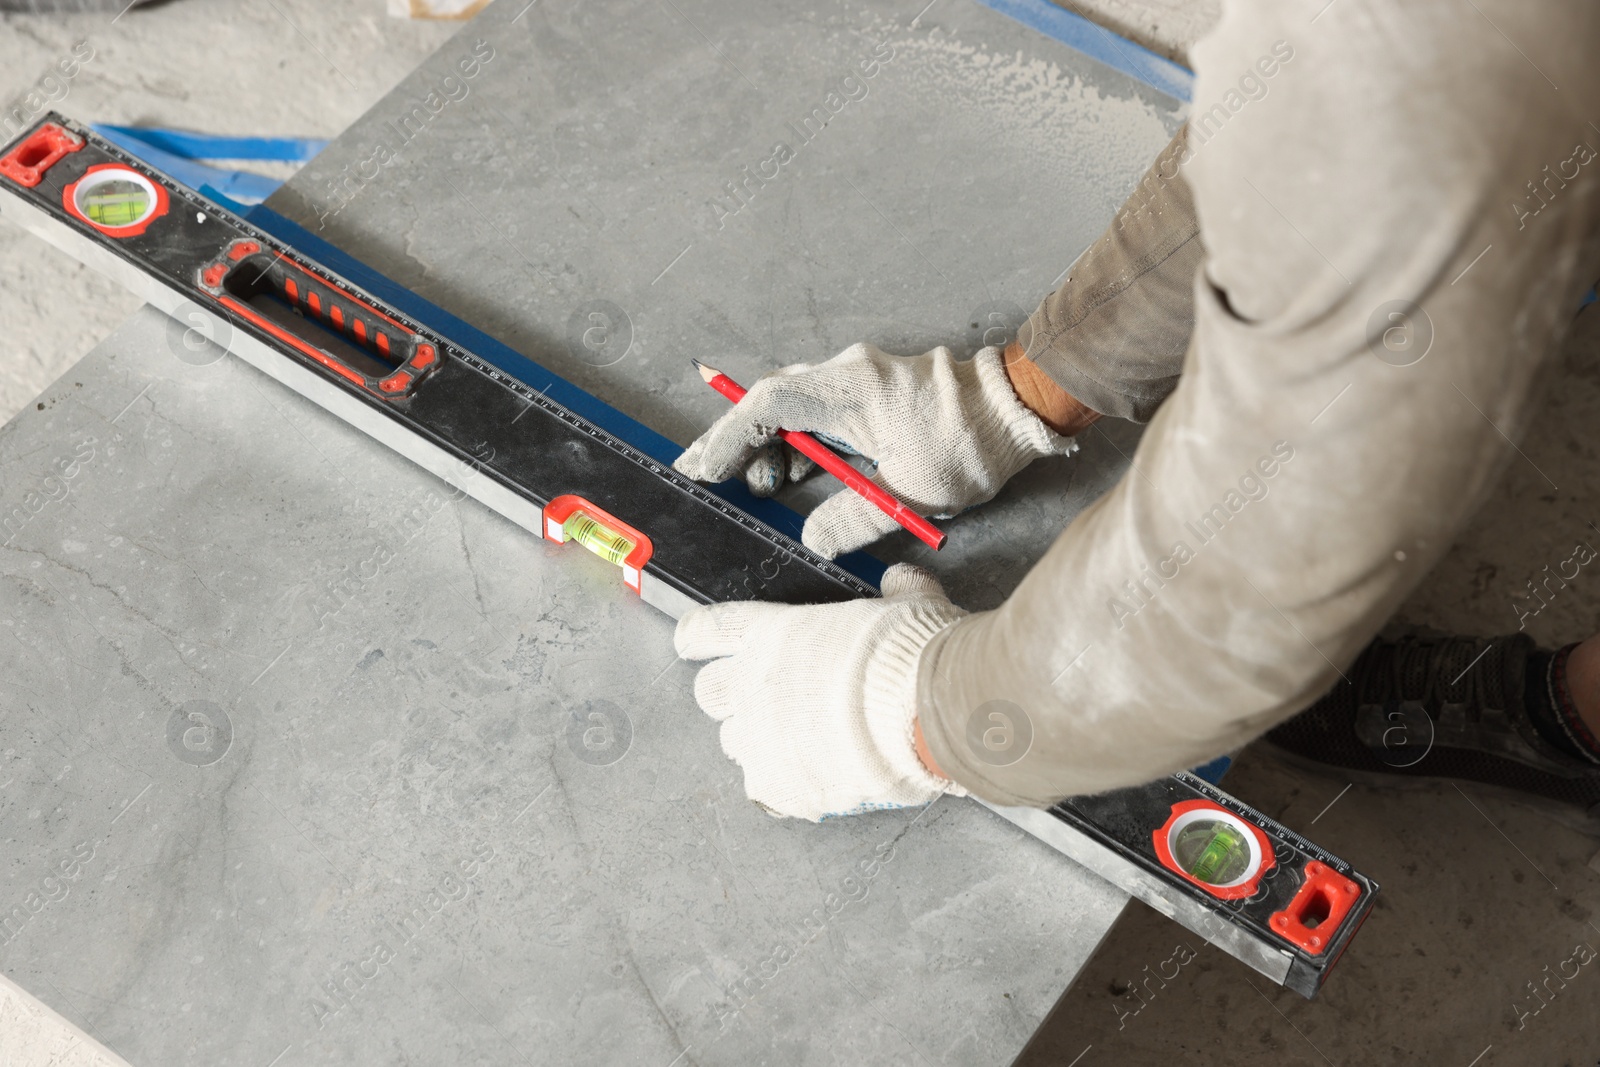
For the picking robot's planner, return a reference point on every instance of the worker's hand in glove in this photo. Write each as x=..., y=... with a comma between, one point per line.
x=818, y=703
x=945, y=435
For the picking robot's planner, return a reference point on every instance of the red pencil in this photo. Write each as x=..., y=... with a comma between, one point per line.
x=834, y=464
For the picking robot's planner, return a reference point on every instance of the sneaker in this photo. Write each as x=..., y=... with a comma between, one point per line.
x=1426, y=709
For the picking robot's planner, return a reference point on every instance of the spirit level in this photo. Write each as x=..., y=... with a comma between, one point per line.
x=516, y=436
x=569, y=469
x=1243, y=881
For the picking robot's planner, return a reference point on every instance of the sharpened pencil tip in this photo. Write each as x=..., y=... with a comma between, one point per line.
x=706, y=373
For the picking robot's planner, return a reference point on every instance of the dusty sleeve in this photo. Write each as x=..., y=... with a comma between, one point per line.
x=1380, y=288
x=1114, y=334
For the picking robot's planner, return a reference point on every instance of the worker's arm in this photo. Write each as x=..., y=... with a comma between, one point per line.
x=1313, y=463
x=1063, y=413
x=1112, y=337
x=1057, y=408
x=948, y=434
x=1119, y=324
x=811, y=753
x=1376, y=296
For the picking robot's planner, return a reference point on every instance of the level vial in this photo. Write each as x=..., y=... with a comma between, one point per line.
x=609, y=545
x=572, y=518
x=1212, y=851
x=1213, y=848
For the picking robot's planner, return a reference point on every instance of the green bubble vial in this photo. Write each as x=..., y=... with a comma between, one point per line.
x=116, y=202
x=1212, y=851
x=609, y=546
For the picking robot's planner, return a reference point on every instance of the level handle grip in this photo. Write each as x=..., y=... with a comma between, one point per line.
x=247, y=272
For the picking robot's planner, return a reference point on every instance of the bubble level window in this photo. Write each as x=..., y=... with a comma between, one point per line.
x=1213, y=848
x=116, y=200
x=609, y=545
x=1213, y=851
x=572, y=518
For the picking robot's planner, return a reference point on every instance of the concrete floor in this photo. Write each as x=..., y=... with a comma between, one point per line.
x=1480, y=895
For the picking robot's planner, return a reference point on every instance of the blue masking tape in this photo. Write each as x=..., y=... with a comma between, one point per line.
x=236, y=186
x=191, y=145
x=1213, y=771
x=217, y=197
x=1100, y=44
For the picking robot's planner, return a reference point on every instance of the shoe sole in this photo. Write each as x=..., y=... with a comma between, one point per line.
x=1587, y=823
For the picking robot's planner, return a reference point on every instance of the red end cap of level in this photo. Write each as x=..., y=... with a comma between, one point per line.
x=1316, y=911
x=26, y=163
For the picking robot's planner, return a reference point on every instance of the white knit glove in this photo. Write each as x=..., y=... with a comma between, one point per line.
x=945, y=435
x=817, y=702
